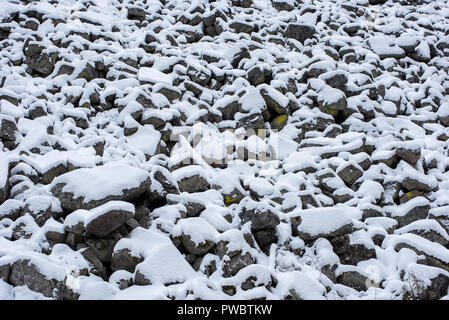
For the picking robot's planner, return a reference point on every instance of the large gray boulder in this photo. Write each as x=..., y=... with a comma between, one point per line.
x=8, y=129
x=413, y=210
x=27, y=272
x=88, y=188
x=124, y=260
x=108, y=217
x=39, y=59
x=300, y=31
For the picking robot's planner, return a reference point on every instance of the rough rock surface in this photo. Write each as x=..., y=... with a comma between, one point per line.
x=243, y=149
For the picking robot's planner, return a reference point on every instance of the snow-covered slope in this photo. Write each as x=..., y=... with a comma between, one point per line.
x=231, y=149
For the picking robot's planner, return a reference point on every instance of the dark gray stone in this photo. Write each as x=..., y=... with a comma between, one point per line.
x=8, y=129
x=192, y=184
x=351, y=253
x=242, y=27
x=416, y=213
x=24, y=272
x=136, y=13
x=88, y=73
x=354, y=280
x=124, y=260
x=256, y=75
x=235, y=263
x=411, y=184
x=96, y=266
x=108, y=222
x=265, y=238
x=70, y=203
x=281, y=5
x=411, y=155
x=349, y=174
x=260, y=220
x=196, y=248
x=102, y=248
x=44, y=63
x=300, y=32
x=4, y=271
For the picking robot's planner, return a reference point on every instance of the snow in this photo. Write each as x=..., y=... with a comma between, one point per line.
x=197, y=228
x=330, y=95
x=146, y=139
x=402, y=210
x=107, y=207
x=259, y=185
x=425, y=225
x=4, y=169
x=428, y=247
x=187, y=172
x=318, y=221
x=252, y=100
x=99, y=182
x=153, y=75
x=382, y=46
x=303, y=285
x=163, y=262
x=91, y=131
x=299, y=160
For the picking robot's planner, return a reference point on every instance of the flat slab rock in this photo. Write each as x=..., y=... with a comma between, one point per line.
x=326, y=222
x=100, y=221
x=88, y=188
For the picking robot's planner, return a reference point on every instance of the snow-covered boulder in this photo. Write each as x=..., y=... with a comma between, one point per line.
x=90, y=187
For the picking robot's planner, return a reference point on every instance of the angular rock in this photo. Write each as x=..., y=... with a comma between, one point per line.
x=438, y=287
x=326, y=222
x=91, y=187
x=235, y=263
x=252, y=121
x=265, y=238
x=11, y=209
x=124, y=260
x=194, y=242
x=241, y=27
x=8, y=129
x=256, y=75
x=260, y=219
x=96, y=266
x=413, y=210
x=349, y=173
x=170, y=92
x=42, y=208
x=108, y=217
x=136, y=13
x=412, y=183
x=190, y=180
x=88, y=73
x=409, y=154
x=102, y=248
x=353, y=279
x=282, y=5
x=228, y=106
x=351, y=253
x=40, y=61
x=26, y=272
x=4, y=271
x=275, y=100
x=300, y=32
